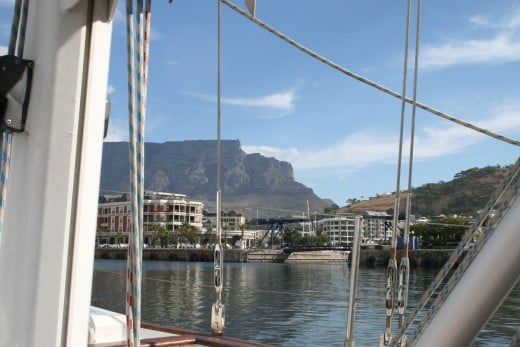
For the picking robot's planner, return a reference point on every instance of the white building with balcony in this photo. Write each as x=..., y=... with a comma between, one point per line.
x=165, y=210
x=338, y=229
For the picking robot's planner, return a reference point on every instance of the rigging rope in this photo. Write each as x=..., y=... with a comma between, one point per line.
x=16, y=47
x=366, y=80
x=137, y=73
x=404, y=266
x=515, y=341
x=218, y=309
x=354, y=267
x=391, y=272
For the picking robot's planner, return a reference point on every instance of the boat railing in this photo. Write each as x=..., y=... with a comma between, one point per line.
x=462, y=257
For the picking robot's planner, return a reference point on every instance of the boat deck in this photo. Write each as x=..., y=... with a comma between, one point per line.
x=108, y=329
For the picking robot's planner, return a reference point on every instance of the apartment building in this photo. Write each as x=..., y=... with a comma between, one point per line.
x=231, y=220
x=339, y=229
x=377, y=227
x=165, y=210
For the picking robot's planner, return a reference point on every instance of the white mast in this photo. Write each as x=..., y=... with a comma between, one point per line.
x=477, y=295
x=47, y=248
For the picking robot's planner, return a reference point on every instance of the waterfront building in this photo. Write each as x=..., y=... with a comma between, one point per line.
x=377, y=227
x=307, y=229
x=160, y=210
x=231, y=220
x=339, y=229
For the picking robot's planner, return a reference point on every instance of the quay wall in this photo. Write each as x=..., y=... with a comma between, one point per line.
x=174, y=254
x=267, y=255
x=368, y=257
x=418, y=257
x=325, y=256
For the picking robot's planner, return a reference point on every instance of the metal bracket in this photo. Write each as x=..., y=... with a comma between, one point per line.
x=15, y=90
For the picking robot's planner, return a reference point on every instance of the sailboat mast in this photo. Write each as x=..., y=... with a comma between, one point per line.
x=46, y=254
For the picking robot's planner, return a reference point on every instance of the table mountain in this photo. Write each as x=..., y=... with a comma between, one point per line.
x=189, y=167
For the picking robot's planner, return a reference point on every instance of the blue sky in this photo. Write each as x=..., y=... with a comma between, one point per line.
x=340, y=135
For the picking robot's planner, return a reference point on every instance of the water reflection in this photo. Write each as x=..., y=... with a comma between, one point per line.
x=282, y=304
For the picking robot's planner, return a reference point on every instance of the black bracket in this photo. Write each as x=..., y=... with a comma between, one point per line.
x=15, y=90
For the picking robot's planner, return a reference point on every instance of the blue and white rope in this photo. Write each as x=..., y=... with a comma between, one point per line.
x=131, y=252
x=7, y=141
x=137, y=52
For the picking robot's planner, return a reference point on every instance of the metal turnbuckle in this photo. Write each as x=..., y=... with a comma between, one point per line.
x=391, y=274
x=218, y=318
x=218, y=310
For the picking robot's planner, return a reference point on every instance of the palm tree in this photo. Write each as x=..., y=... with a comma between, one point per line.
x=210, y=231
x=155, y=234
x=188, y=232
x=242, y=227
x=98, y=233
x=164, y=235
x=119, y=236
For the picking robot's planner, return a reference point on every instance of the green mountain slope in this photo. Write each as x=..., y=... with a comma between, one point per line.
x=468, y=192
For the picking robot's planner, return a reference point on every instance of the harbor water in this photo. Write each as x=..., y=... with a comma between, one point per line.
x=279, y=304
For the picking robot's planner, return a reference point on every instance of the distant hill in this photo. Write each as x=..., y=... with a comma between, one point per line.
x=189, y=167
x=468, y=192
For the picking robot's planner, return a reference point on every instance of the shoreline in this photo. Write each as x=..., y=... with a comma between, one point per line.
x=369, y=257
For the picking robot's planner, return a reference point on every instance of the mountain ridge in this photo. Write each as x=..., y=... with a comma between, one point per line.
x=466, y=194
x=252, y=182
x=189, y=167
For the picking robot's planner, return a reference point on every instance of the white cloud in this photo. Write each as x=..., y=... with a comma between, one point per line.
x=479, y=20
x=505, y=118
x=356, y=150
x=155, y=35
x=366, y=147
x=510, y=21
x=499, y=49
x=120, y=13
x=501, y=45
x=111, y=89
x=117, y=131
x=281, y=100
x=273, y=152
x=456, y=139
x=3, y=50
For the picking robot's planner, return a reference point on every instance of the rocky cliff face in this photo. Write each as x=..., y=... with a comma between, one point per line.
x=189, y=167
